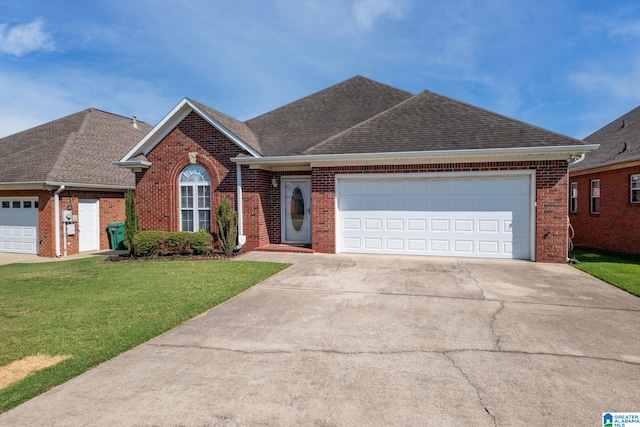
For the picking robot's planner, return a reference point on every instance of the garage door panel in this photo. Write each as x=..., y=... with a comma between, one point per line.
x=439, y=225
x=457, y=217
x=19, y=226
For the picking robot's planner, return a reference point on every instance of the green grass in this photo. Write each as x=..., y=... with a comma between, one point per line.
x=619, y=270
x=94, y=311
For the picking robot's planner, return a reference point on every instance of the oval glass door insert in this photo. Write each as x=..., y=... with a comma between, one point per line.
x=297, y=209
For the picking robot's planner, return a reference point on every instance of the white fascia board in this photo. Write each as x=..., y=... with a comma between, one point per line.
x=169, y=122
x=159, y=131
x=411, y=157
x=52, y=185
x=133, y=164
x=224, y=130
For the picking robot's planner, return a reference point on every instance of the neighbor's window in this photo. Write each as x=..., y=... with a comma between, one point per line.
x=573, y=197
x=635, y=188
x=195, y=199
x=595, y=196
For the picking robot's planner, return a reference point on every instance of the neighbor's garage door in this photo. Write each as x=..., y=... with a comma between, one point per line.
x=19, y=225
x=472, y=216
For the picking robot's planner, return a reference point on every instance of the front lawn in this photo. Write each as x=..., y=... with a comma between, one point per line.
x=620, y=270
x=91, y=312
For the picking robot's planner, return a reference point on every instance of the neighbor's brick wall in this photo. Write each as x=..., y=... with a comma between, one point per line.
x=551, y=190
x=617, y=226
x=111, y=210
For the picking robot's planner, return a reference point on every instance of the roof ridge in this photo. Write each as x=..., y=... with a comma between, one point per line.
x=66, y=147
x=356, y=77
x=362, y=123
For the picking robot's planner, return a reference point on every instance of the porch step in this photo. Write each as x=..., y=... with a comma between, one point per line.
x=284, y=248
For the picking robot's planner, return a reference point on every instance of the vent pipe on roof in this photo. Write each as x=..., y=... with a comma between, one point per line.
x=135, y=121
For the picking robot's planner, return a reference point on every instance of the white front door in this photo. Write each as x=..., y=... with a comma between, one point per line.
x=296, y=210
x=89, y=225
x=19, y=225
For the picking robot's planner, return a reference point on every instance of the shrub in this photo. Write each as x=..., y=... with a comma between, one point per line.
x=176, y=242
x=201, y=243
x=152, y=243
x=226, y=218
x=131, y=222
x=148, y=243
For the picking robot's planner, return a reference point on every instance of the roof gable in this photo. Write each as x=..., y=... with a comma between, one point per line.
x=619, y=142
x=293, y=128
x=235, y=130
x=432, y=122
x=78, y=148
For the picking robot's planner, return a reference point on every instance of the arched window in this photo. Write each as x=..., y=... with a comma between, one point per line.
x=195, y=199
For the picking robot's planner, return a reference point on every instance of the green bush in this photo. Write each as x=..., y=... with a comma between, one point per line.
x=153, y=243
x=176, y=242
x=227, y=218
x=148, y=243
x=201, y=243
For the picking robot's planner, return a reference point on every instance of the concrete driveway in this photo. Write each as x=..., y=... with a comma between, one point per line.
x=376, y=340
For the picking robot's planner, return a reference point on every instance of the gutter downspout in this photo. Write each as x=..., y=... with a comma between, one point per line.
x=242, y=239
x=56, y=204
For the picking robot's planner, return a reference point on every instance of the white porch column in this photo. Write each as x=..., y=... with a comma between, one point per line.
x=241, y=237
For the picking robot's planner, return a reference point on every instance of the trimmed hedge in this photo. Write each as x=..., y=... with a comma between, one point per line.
x=153, y=243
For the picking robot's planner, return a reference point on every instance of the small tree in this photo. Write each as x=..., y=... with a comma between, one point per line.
x=131, y=222
x=226, y=218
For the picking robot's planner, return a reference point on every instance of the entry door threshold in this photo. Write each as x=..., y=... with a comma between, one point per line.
x=286, y=247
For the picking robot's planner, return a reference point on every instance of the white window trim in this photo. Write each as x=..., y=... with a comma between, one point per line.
x=573, y=197
x=632, y=188
x=594, y=195
x=194, y=185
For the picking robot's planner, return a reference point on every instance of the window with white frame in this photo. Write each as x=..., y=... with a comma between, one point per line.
x=635, y=188
x=595, y=196
x=195, y=199
x=573, y=197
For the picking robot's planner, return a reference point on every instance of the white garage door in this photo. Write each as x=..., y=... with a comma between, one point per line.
x=466, y=216
x=19, y=225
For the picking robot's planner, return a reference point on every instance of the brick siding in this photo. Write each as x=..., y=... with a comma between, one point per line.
x=617, y=226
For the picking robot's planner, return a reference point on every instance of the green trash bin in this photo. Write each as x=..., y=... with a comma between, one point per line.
x=116, y=234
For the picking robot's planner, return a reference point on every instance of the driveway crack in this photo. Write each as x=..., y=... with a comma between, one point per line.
x=476, y=388
x=475, y=281
x=492, y=323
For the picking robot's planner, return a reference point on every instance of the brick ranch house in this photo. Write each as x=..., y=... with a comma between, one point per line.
x=362, y=167
x=604, y=198
x=65, y=167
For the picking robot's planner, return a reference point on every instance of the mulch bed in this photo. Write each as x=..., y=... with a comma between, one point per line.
x=170, y=257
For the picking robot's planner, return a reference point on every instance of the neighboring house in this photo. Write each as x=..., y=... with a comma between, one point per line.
x=362, y=167
x=65, y=167
x=604, y=199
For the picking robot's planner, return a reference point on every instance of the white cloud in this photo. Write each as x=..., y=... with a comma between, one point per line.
x=628, y=29
x=22, y=39
x=618, y=85
x=367, y=12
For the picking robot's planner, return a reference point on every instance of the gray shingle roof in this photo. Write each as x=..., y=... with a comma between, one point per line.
x=431, y=122
x=74, y=149
x=619, y=142
x=292, y=129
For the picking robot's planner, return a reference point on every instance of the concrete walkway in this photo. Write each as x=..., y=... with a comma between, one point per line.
x=12, y=258
x=376, y=340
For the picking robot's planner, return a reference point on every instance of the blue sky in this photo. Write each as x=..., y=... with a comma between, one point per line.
x=568, y=66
